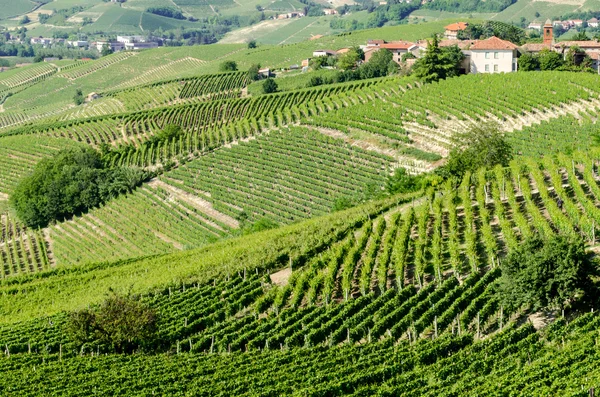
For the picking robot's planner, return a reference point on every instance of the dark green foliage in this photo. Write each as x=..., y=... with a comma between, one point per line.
x=252, y=44
x=581, y=36
x=122, y=324
x=528, y=62
x=350, y=59
x=438, y=63
x=550, y=60
x=228, y=66
x=253, y=72
x=168, y=12
x=171, y=131
x=269, y=86
x=546, y=273
x=260, y=225
x=69, y=183
x=315, y=81
x=483, y=145
x=402, y=182
x=470, y=5
x=78, y=98
x=342, y=203
x=488, y=29
x=106, y=50
x=377, y=66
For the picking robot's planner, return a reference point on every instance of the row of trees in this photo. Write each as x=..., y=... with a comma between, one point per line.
x=572, y=59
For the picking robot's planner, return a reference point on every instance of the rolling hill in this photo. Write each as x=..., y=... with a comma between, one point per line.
x=268, y=240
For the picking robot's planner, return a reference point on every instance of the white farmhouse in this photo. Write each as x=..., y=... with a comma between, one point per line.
x=323, y=53
x=493, y=56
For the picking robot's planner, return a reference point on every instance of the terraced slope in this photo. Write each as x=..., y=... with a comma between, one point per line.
x=282, y=176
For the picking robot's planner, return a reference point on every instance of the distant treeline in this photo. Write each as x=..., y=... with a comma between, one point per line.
x=168, y=12
x=469, y=5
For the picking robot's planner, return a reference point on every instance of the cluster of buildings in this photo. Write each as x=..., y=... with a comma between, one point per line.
x=492, y=55
x=130, y=43
x=48, y=41
x=298, y=14
x=566, y=25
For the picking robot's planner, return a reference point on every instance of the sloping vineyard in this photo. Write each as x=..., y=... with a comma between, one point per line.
x=23, y=77
x=562, y=135
x=21, y=250
x=420, y=123
x=266, y=110
x=163, y=72
x=202, y=88
x=284, y=176
x=315, y=350
x=94, y=66
x=151, y=220
x=20, y=154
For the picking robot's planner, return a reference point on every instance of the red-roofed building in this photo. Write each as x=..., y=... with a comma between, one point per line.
x=493, y=55
x=453, y=29
x=397, y=48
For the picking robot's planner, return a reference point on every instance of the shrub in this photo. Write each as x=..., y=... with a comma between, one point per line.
x=546, y=273
x=121, y=324
x=269, y=86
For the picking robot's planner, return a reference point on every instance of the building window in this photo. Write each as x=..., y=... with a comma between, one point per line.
x=487, y=68
x=495, y=68
x=496, y=55
x=487, y=55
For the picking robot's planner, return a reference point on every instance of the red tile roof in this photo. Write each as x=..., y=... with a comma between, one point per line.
x=494, y=43
x=397, y=45
x=582, y=44
x=455, y=27
x=535, y=47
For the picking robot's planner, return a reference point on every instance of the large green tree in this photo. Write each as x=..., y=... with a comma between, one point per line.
x=69, y=183
x=438, y=63
x=546, y=273
x=378, y=65
x=550, y=60
x=482, y=145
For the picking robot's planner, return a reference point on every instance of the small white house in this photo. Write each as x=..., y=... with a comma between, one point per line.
x=323, y=53
x=493, y=56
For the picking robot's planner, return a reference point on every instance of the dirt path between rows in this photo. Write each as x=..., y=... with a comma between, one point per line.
x=204, y=206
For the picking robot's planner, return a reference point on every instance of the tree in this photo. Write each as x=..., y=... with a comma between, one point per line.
x=122, y=324
x=377, y=66
x=106, y=50
x=78, y=98
x=269, y=86
x=252, y=44
x=317, y=63
x=350, y=59
x=438, y=63
x=315, y=81
x=253, y=72
x=482, y=145
x=549, y=60
x=25, y=20
x=71, y=182
x=528, y=62
x=546, y=273
x=581, y=36
x=228, y=66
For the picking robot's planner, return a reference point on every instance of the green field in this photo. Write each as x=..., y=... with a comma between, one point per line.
x=14, y=8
